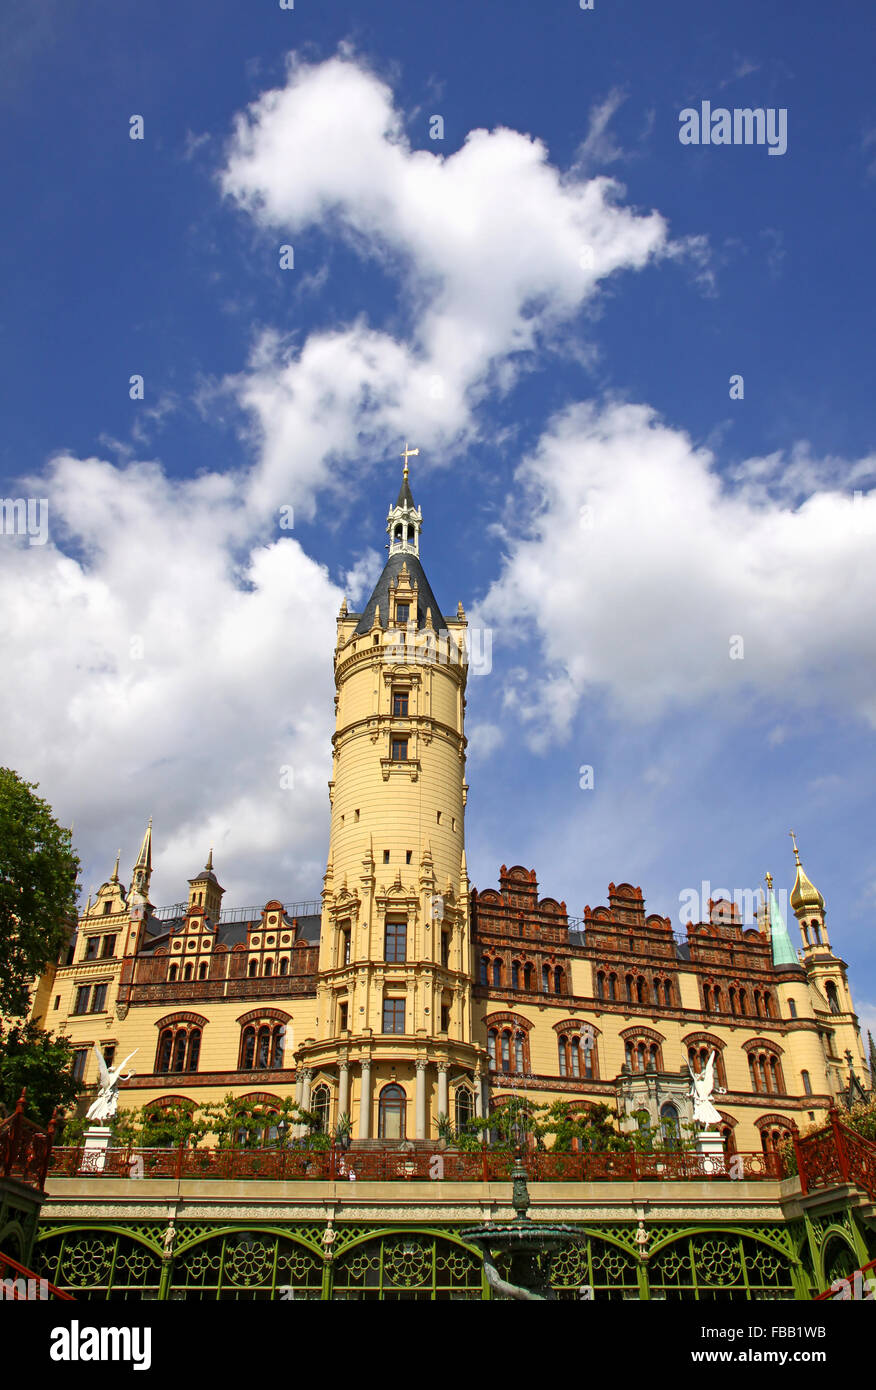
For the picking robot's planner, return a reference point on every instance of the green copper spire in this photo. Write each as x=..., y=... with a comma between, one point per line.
x=783, y=951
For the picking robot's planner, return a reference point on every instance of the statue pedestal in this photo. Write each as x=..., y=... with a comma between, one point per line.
x=711, y=1147
x=97, y=1141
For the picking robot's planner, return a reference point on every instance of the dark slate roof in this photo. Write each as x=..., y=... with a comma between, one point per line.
x=405, y=496
x=425, y=597
x=228, y=934
x=308, y=929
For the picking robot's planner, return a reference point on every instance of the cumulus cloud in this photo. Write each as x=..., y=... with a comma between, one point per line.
x=491, y=248
x=642, y=565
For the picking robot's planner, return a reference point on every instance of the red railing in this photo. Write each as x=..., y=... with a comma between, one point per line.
x=383, y=1164
x=857, y=1277
x=25, y=1149
x=834, y=1155
x=15, y=1275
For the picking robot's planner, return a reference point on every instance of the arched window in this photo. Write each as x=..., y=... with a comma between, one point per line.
x=179, y=1051
x=391, y=1113
x=284, y=965
x=497, y=973
x=485, y=968
x=253, y=969
x=515, y=974
x=247, y=1049
x=165, y=1046
x=527, y=976
x=733, y=1007
x=669, y=1125
x=202, y=970
x=600, y=984
x=832, y=997
x=492, y=1044
x=172, y=973
x=278, y=1044
x=558, y=981
x=743, y=1003
x=562, y=1044
x=194, y=1050
x=518, y=1052
x=574, y=1049
x=768, y=1005
x=506, y=1051
x=612, y=986
x=807, y=1082
x=667, y=986
x=758, y=1003
x=545, y=979
x=729, y=1143
x=653, y=1057
x=641, y=991
x=816, y=933
x=464, y=1108
x=263, y=1046
x=269, y=967
x=641, y=1054
x=188, y=970
x=320, y=1103
x=707, y=997
x=628, y=982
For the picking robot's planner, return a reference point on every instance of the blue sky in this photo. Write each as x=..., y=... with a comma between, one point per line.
x=550, y=301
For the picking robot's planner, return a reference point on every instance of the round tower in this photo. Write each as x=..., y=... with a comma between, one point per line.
x=394, y=1034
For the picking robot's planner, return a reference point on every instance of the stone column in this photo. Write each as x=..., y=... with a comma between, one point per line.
x=343, y=1087
x=479, y=1092
x=421, y=1097
x=443, y=1068
x=305, y=1076
x=365, y=1100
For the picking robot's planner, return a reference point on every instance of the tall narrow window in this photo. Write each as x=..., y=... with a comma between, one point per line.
x=396, y=940
x=807, y=1083
x=98, y=1000
x=561, y=1050
x=506, y=1051
x=194, y=1050
x=515, y=974
x=247, y=1051
x=278, y=1044
x=518, y=1052
x=497, y=973
x=391, y=1113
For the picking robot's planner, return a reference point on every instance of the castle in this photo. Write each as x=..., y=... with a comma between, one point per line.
x=406, y=995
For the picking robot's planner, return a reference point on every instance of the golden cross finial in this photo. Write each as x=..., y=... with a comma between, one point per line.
x=408, y=453
x=769, y=880
x=796, y=851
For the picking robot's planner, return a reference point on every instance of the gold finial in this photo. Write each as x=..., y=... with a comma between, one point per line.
x=769, y=880
x=209, y=863
x=408, y=453
x=796, y=851
x=115, y=873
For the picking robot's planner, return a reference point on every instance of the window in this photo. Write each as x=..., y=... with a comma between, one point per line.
x=80, y=1004
x=497, y=974
x=393, y=1015
x=202, y=970
x=807, y=1082
x=253, y=969
x=518, y=1052
x=320, y=1103
x=391, y=1113
x=269, y=967
x=92, y=944
x=396, y=941
x=400, y=704
x=386, y=856
x=109, y=945
x=57, y=1003
x=91, y=999
x=669, y=1125
x=515, y=974
x=343, y=1016
x=445, y=949
x=562, y=1044
x=109, y=1053
x=188, y=971
x=344, y=939
x=284, y=963
x=464, y=1108
x=545, y=979
x=402, y=612
x=506, y=1052
x=792, y=1007
x=399, y=750
x=600, y=985
x=558, y=981
x=80, y=1061
x=485, y=967
x=172, y=973
x=408, y=856
x=832, y=997
x=492, y=1047
x=445, y=1018
x=179, y=1049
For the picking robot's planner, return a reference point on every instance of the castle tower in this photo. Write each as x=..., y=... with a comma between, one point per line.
x=205, y=891
x=829, y=990
x=394, y=1026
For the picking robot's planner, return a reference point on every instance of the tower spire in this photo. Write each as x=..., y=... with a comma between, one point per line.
x=141, y=878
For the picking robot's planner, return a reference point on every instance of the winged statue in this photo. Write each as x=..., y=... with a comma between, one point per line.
x=702, y=1088
x=107, y=1102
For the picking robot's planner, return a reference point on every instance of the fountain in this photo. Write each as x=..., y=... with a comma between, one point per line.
x=528, y=1246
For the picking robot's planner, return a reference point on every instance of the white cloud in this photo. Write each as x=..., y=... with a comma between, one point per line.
x=641, y=565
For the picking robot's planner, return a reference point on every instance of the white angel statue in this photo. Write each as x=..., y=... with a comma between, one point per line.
x=702, y=1088
x=107, y=1101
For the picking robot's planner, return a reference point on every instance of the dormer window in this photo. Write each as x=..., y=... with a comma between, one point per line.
x=402, y=612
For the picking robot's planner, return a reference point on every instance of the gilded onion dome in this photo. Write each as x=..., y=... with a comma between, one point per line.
x=805, y=897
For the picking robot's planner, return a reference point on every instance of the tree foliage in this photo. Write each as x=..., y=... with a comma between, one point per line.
x=33, y=1059
x=38, y=886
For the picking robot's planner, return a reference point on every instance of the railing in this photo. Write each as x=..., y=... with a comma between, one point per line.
x=25, y=1149
x=14, y=1276
x=397, y=1164
x=845, y=1285
x=834, y=1155
x=310, y=907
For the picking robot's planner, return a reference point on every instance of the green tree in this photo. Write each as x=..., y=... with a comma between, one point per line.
x=38, y=887
x=32, y=1058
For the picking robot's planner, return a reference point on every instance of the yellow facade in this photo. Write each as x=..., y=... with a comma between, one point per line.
x=404, y=996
